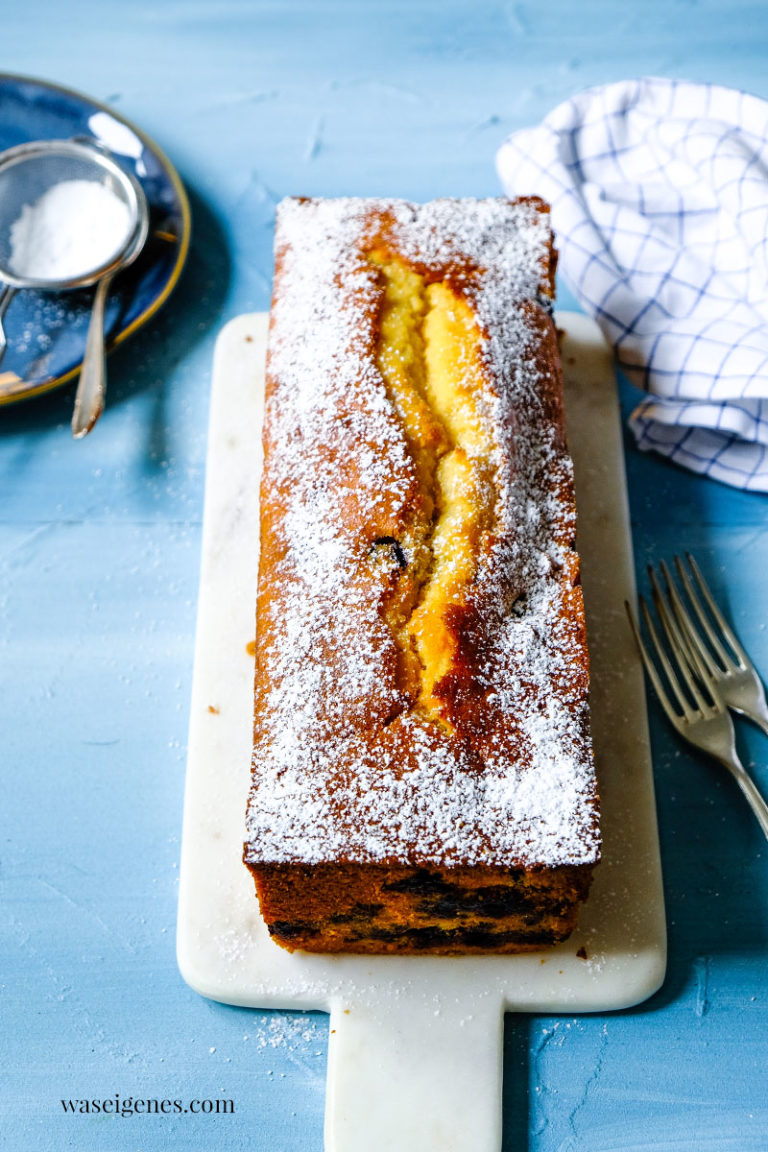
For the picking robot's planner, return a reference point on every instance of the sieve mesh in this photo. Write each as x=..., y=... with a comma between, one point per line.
x=25, y=179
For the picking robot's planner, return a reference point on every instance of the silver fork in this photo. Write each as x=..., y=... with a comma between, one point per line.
x=716, y=648
x=701, y=716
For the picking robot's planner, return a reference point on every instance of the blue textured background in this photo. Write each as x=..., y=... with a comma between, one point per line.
x=99, y=548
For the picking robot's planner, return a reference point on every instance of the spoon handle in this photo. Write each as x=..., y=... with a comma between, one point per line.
x=92, y=387
x=6, y=296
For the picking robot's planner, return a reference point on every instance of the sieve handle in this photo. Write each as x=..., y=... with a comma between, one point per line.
x=92, y=387
x=6, y=295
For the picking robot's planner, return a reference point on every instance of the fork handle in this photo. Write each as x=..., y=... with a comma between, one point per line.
x=761, y=722
x=749, y=789
x=758, y=715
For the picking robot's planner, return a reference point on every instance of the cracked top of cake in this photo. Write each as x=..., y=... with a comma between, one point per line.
x=421, y=664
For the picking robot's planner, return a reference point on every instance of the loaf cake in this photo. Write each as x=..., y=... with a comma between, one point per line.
x=423, y=777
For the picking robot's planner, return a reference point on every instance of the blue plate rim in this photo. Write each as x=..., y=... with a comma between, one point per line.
x=184, y=239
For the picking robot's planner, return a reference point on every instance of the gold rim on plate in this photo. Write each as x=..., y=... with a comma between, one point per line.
x=186, y=226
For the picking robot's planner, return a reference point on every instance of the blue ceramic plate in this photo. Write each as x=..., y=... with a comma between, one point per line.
x=46, y=332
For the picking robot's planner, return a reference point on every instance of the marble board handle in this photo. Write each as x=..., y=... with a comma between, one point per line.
x=415, y=1074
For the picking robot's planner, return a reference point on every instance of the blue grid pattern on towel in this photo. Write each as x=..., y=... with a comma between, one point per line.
x=659, y=195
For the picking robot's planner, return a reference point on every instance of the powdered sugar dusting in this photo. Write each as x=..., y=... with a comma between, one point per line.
x=514, y=783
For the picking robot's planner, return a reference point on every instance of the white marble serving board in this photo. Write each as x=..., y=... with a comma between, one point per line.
x=415, y=1052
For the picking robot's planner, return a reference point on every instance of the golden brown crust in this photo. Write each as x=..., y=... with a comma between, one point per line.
x=477, y=775
x=375, y=909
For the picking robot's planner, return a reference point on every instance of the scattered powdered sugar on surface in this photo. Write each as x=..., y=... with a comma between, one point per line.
x=292, y=1032
x=523, y=789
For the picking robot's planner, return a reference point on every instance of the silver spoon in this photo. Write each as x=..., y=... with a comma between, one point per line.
x=27, y=172
x=92, y=385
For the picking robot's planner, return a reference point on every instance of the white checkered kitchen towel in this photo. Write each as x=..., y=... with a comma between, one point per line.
x=659, y=194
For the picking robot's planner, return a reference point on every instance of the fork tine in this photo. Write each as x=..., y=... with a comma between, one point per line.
x=676, y=643
x=726, y=661
x=650, y=667
x=701, y=656
x=717, y=614
x=672, y=677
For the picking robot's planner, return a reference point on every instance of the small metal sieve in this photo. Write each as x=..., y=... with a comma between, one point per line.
x=27, y=173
